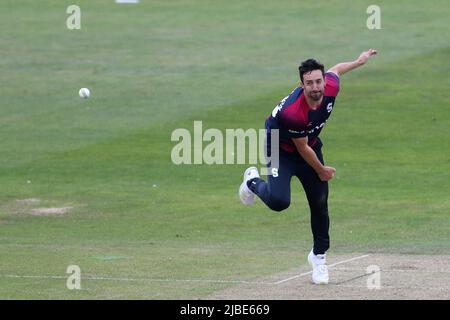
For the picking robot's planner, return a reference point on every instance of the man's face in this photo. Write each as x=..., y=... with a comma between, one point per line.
x=313, y=84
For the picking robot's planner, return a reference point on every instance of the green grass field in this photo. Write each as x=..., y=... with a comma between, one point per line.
x=158, y=66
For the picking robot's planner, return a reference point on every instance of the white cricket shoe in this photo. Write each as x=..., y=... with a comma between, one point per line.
x=245, y=194
x=320, y=269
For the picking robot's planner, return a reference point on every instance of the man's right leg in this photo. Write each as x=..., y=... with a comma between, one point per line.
x=276, y=192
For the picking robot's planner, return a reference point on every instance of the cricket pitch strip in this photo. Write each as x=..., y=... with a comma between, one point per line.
x=355, y=277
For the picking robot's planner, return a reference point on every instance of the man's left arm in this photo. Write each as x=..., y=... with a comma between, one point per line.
x=344, y=67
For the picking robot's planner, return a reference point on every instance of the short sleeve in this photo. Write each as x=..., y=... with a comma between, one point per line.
x=331, y=84
x=297, y=134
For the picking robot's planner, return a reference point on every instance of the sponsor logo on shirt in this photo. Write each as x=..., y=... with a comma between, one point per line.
x=320, y=126
x=330, y=107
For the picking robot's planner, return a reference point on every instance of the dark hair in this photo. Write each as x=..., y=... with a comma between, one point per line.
x=308, y=66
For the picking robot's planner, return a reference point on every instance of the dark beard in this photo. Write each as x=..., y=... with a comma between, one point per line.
x=316, y=97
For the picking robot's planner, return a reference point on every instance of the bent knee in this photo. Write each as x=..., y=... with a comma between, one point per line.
x=279, y=204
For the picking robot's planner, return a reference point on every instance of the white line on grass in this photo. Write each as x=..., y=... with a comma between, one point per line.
x=172, y=280
x=134, y=279
x=329, y=266
x=397, y=270
x=391, y=287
